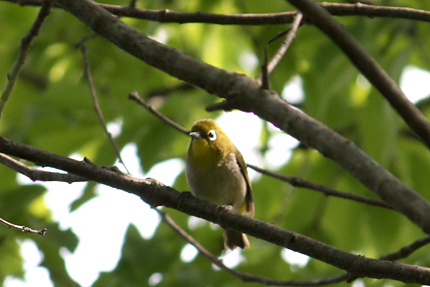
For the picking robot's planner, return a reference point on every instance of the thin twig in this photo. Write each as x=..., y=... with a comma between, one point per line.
x=300, y=182
x=97, y=107
x=187, y=237
x=36, y=174
x=25, y=229
x=264, y=76
x=407, y=250
x=23, y=50
x=135, y=97
x=336, y=9
x=84, y=39
x=282, y=50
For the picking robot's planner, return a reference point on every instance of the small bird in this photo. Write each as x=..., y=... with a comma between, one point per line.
x=216, y=172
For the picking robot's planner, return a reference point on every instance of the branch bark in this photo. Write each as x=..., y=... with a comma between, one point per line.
x=322, y=19
x=36, y=174
x=155, y=194
x=336, y=9
x=244, y=93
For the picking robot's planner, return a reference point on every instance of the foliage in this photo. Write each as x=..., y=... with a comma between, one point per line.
x=51, y=108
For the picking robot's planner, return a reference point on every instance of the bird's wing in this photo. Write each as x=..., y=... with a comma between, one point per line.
x=249, y=198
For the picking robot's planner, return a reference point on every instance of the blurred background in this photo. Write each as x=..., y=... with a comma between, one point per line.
x=99, y=236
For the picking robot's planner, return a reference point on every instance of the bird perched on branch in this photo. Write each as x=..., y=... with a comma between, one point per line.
x=216, y=172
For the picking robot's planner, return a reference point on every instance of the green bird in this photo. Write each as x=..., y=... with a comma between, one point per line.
x=216, y=172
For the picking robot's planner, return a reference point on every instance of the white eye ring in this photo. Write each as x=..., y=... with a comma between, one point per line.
x=212, y=135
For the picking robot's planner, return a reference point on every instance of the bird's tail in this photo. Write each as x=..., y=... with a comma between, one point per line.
x=233, y=239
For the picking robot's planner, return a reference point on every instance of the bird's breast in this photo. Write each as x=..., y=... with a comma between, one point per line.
x=219, y=182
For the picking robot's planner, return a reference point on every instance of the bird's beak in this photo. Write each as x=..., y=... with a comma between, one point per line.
x=195, y=135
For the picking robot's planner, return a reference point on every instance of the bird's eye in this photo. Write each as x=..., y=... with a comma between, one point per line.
x=212, y=135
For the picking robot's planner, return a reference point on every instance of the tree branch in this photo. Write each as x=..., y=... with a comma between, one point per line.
x=25, y=229
x=336, y=9
x=373, y=11
x=407, y=250
x=13, y=75
x=135, y=97
x=270, y=66
x=244, y=93
x=294, y=181
x=36, y=174
x=300, y=182
x=155, y=194
x=246, y=277
x=289, y=38
x=322, y=19
x=97, y=108
x=402, y=253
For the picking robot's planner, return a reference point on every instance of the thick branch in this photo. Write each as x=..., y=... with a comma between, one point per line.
x=332, y=145
x=246, y=277
x=155, y=194
x=322, y=19
x=245, y=94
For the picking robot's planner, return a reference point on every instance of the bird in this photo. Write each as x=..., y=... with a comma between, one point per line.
x=216, y=172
